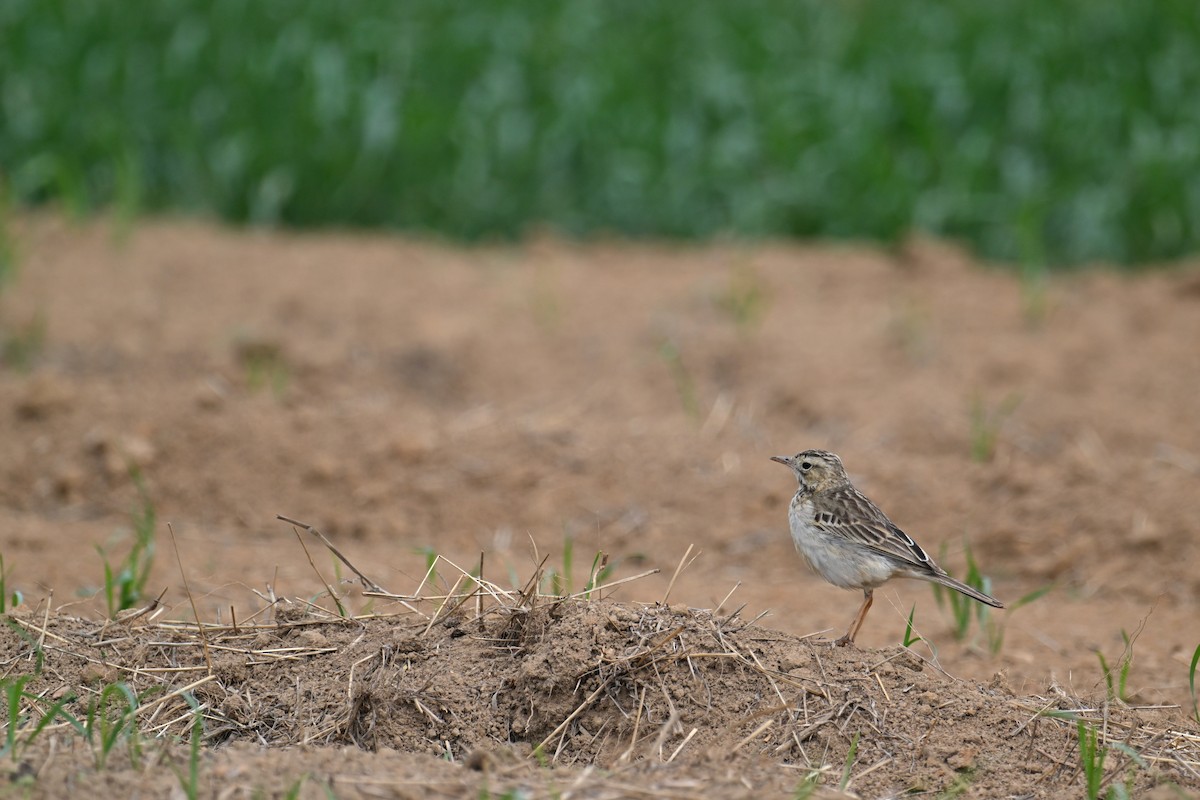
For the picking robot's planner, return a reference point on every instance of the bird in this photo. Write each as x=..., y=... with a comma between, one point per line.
x=849, y=542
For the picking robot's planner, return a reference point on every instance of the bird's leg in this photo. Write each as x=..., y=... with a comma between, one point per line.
x=868, y=599
x=856, y=623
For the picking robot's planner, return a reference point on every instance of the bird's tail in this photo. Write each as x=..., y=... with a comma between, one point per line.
x=969, y=591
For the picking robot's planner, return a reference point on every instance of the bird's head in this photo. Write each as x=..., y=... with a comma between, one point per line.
x=816, y=470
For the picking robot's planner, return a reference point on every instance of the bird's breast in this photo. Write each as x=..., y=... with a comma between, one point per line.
x=836, y=559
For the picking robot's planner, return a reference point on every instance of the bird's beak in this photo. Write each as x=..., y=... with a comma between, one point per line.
x=787, y=462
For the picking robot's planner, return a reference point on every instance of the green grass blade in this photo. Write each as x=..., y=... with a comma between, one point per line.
x=112, y=728
x=1036, y=594
x=850, y=756
x=13, y=691
x=57, y=711
x=568, y=563
x=1192, y=683
x=909, y=639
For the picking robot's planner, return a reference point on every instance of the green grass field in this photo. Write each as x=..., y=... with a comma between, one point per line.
x=1041, y=133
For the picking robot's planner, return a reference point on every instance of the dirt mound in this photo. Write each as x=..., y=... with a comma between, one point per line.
x=543, y=694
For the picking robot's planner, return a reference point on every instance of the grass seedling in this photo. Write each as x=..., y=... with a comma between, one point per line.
x=561, y=582
x=125, y=585
x=684, y=385
x=808, y=786
x=1192, y=684
x=1091, y=758
x=103, y=729
x=850, y=754
x=14, y=690
x=1034, y=296
x=14, y=693
x=995, y=630
x=190, y=783
x=744, y=299
x=431, y=559
x=961, y=784
x=909, y=638
x=7, y=600
x=910, y=327
x=265, y=365
x=600, y=572
x=1093, y=753
x=1123, y=791
x=20, y=347
x=511, y=794
x=1030, y=230
x=962, y=607
x=986, y=424
x=293, y=791
x=337, y=581
x=552, y=583
x=1116, y=681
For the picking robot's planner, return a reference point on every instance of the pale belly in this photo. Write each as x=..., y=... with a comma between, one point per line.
x=835, y=559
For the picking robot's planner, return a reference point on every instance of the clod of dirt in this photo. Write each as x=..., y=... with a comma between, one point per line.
x=43, y=396
x=116, y=454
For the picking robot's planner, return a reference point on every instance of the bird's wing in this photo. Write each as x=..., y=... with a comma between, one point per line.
x=860, y=520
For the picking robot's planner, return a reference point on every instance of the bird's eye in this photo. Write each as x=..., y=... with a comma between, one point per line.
x=806, y=465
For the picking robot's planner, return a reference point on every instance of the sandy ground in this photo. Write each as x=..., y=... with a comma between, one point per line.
x=528, y=401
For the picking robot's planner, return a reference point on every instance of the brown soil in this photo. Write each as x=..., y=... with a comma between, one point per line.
x=409, y=397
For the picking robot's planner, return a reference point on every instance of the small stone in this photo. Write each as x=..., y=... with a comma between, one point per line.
x=68, y=481
x=322, y=468
x=44, y=395
x=963, y=758
x=210, y=395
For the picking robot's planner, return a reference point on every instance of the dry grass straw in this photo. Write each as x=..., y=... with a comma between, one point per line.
x=366, y=582
x=191, y=599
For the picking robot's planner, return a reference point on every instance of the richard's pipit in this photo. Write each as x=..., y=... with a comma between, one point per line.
x=849, y=542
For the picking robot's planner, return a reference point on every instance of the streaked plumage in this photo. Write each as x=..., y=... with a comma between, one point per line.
x=848, y=541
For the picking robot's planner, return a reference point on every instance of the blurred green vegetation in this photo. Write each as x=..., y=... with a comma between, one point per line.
x=1046, y=133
